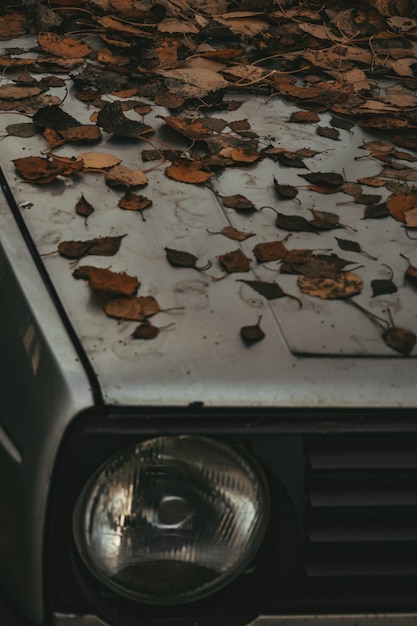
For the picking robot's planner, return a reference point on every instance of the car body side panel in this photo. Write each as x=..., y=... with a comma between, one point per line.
x=37, y=401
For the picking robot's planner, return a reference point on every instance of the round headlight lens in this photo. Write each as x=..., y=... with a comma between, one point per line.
x=171, y=519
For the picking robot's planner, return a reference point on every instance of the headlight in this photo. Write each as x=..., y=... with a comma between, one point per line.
x=172, y=519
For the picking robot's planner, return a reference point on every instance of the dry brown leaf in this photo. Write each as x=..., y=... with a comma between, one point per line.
x=399, y=204
x=65, y=47
x=43, y=170
x=99, y=160
x=270, y=251
x=189, y=83
x=126, y=177
x=103, y=279
x=235, y=261
x=132, y=309
x=342, y=285
x=133, y=202
x=102, y=246
x=186, y=171
x=16, y=92
x=12, y=25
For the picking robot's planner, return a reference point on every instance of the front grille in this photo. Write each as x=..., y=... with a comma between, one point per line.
x=360, y=522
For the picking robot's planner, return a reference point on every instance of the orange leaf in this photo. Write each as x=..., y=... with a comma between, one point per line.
x=65, y=47
x=188, y=172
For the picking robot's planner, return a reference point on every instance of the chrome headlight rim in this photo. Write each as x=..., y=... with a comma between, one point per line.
x=221, y=443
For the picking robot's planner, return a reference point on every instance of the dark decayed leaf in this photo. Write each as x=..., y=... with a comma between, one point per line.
x=375, y=211
x=411, y=272
x=180, y=258
x=145, y=331
x=102, y=246
x=400, y=339
x=23, y=130
x=234, y=261
x=352, y=246
x=83, y=207
x=318, y=266
x=238, y=203
x=383, y=286
x=330, y=133
x=330, y=180
x=252, y=333
x=285, y=192
x=112, y=119
x=232, y=233
x=53, y=116
x=337, y=122
x=295, y=223
x=270, y=291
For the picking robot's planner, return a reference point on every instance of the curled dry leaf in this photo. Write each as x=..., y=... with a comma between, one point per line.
x=252, y=333
x=44, y=170
x=133, y=202
x=180, y=258
x=103, y=279
x=232, y=233
x=238, y=203
x=285, y=192
x=235, y=262
x=342, y=285
x=270, y=291
x=102, y=246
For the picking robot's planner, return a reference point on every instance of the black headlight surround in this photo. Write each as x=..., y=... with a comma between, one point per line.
x=77, y=590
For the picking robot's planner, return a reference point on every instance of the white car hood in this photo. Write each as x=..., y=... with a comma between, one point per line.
x=325, y=353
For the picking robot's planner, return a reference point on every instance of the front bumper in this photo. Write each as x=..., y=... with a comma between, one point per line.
x=409, y=619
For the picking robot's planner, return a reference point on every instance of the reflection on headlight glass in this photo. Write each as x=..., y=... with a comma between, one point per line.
x=171, y=519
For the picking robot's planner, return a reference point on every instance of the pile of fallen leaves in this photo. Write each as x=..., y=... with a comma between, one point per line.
x=354, y=60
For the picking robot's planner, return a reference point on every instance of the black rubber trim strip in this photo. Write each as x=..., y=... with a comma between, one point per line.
x=95, y=386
